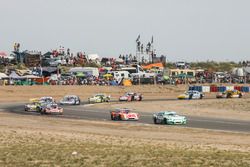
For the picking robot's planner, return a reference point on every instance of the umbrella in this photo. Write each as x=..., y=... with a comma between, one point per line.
x=108, y=75
x=80, y=74
x=165, y=77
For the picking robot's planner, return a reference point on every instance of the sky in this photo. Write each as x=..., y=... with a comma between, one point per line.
x=183, y=30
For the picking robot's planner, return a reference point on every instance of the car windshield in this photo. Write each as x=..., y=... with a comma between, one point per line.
x=52, y=106
x=124, y=111
x=68, y=98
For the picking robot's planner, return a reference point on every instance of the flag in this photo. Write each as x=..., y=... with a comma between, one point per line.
x=138, y=38
x=152, y=40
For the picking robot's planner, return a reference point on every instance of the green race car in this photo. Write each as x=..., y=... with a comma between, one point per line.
x=99, y=98
x=32, y=106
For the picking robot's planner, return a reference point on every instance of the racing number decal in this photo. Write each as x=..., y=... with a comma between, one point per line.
x=131, y=115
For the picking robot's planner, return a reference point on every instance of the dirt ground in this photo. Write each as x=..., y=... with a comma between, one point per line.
x=27, y=140
x=218, y=108
x=35, y=141
x=24, y=93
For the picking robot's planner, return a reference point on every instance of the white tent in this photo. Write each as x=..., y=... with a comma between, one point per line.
x=93, y=56
x=30, y=76
x=2, y=75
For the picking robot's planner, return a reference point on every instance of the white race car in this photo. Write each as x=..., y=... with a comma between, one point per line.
x=169, y=117
x=70, y=100
x=130, y=96
x=191, y=94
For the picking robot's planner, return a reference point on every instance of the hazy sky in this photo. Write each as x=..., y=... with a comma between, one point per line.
x=183, y=29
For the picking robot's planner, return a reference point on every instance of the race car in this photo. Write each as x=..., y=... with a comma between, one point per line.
x=191, y=94
x=169, y=117
x=49, y=108
x=32, y=106
x=130, y=96
x=124, y=114
x=47, y=99
x=230, y=94
x=70, y=100
x=35, y=103
x=99, y=98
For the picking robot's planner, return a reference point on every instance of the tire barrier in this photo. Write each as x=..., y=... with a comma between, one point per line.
x=214, y=88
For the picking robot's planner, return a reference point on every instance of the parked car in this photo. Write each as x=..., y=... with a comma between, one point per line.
x=124, y=114
x=169, y=117
x=130, y=96
x=99, y=98
x=230, y=94
x=49, y=108
x=191, y=94
x=70, y=100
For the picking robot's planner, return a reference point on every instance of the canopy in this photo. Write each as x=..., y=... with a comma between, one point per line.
x=159, y=65
x=80, y=74
x=2, y=75
x=165, y=77
x=93, y=56
x=3, y=54
x=108, y=75
x=30, y=76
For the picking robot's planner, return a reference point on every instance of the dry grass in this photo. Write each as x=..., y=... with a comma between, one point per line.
x=24, y=93
x=41, y=149
x=43, y=141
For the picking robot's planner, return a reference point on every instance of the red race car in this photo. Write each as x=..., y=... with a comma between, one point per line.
x=131, y=97
x=51, y=108
x=124, y=114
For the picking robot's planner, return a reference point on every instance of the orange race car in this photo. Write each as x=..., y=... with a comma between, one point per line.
x=124, y=114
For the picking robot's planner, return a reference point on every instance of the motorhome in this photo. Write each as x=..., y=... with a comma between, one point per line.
x=137, y=71
x=118, y=75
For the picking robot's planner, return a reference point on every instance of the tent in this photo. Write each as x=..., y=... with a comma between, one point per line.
x=3, y=54
x=93, y=56
x=31, y=77
x=165, y=77
x=107, y=75
x=158, y=65
x=2, y=75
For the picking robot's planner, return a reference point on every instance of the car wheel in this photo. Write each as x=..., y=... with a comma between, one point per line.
x=155, y=121
x=165, y=121
x=201, y=96
x=112, y=118
x=140, y=98
x=190, y=96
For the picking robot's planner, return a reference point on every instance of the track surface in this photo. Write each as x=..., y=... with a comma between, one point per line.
x=87, y=113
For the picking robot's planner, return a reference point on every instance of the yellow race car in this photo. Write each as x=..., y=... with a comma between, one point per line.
x=230, y=94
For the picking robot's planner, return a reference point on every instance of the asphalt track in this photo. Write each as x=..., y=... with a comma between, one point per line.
x=83, y=111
